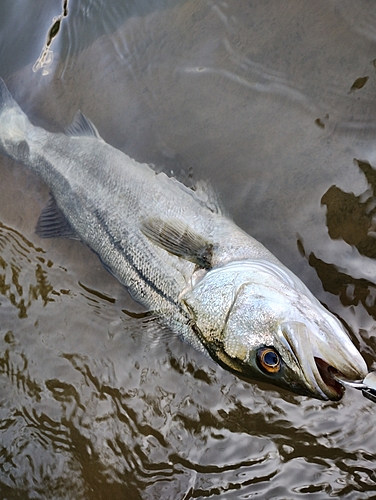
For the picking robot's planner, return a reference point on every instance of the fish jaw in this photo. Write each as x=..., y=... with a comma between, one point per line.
x=322, y=354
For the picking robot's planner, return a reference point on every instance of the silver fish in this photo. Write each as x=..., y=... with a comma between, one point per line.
x=179, y=255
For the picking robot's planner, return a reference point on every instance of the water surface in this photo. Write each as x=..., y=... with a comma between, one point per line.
x=275, y=106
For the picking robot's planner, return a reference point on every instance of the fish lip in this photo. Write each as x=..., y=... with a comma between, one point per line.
x=346, y=382
x=333, y=385
x=317, y=371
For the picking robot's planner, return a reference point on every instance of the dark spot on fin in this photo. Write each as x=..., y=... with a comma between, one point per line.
x=82, y=127
x=177, y=238
x=53, y=224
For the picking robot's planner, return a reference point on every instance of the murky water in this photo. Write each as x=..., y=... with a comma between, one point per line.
x=274, y=103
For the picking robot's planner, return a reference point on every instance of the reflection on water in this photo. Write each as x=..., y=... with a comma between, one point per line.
x=13, y=280
x=46, y=56
x=351, y=291
x=270, y=103
x=351, y=217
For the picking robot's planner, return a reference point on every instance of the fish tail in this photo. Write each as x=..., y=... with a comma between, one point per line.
x=6, y=99
x=14, y=126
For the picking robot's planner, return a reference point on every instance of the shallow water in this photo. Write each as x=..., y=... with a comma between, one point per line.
x=272, y=105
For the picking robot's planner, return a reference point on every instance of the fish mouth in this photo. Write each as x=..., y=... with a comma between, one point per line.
x=331, y=378
x=327, y=365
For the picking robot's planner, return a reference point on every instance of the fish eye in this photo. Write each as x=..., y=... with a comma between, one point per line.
x=268, y=360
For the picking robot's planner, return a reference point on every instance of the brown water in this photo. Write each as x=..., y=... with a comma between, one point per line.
x=274, y=103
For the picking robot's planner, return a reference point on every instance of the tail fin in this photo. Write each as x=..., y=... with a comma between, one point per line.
x=6, y=99
x=14, y=126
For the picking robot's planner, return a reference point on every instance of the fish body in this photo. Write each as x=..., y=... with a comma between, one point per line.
x=180, y=256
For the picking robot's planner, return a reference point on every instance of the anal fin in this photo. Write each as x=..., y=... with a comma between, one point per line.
x=53, y=224
x=177, y=238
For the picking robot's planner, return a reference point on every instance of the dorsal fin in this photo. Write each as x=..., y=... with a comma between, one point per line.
x=82, y=127
x=177, y=238
x=203, y=193
x=53, y=224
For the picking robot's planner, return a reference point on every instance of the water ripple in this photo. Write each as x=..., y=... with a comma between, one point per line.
x=19, y=254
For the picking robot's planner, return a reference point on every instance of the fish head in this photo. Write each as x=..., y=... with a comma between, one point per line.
x=258, y=319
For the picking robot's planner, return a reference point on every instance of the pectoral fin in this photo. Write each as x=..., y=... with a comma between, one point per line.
x=53, y=224
x=177, y=238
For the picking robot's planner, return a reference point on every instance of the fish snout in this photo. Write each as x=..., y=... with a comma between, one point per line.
x=325, y=356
